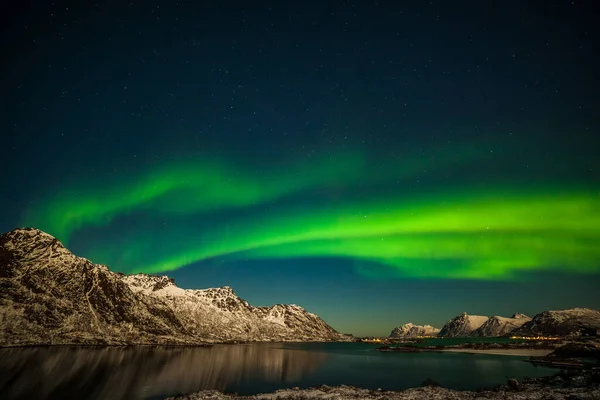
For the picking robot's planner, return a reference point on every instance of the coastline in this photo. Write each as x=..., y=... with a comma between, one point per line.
x=503, y=352
x=102, y=346
x=581, y=385
x=165, y=344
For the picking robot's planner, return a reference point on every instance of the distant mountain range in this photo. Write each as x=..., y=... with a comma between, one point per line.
x=576, y=321
x=572, y=322
x=50, y=296
x=477, y=325
x=411, y=331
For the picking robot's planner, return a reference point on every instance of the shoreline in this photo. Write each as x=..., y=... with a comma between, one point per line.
x=97, y=346
x=538, y=348
x=580, y=385
x=174, y=345
x=503, y=352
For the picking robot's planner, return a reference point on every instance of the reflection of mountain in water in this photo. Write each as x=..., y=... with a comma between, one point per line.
x=141, y=373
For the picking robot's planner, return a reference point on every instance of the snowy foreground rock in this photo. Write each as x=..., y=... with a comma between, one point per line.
x=50, y=296
x=520, y=391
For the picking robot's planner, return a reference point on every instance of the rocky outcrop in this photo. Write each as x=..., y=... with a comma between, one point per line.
x=501, y=326
x=462, y=325
x=571, y=322
x=50, y=296
x=412, y=331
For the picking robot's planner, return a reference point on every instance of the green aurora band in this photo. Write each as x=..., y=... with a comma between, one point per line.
x=181, y=188
x=205, y=185
x=470, y=236
x=458, y=234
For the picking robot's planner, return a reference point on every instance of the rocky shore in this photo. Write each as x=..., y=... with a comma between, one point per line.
x=411, y=348
x=565, y=385
x=557, y=354
x=572, y=356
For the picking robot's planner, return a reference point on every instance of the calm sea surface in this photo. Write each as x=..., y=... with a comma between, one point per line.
x=155, y=373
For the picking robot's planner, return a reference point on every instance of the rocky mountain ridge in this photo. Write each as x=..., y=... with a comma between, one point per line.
x=500, y=326
x=554, y=323
x=462, y=325
x=571, y=322
x=218, y=313
x=50, y=296
x=411, y=330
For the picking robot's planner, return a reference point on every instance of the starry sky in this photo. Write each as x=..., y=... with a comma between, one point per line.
x=376, y=163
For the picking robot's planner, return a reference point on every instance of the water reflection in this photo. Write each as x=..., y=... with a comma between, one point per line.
x=156, y=373
x=142, y=373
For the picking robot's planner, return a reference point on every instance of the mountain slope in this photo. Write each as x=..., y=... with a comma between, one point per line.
x=219, y=314
x=571, y=322
x=462, y=325
x=411, y=331
x=500, y=326
x=50, y=296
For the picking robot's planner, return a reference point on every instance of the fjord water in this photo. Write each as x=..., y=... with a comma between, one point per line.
x=158, y=372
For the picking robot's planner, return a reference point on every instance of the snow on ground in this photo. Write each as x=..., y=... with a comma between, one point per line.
x=530, y=392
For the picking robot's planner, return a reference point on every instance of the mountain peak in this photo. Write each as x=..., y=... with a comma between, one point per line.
x=148, y=283
x=500, y=326
x=412, y=330
x=21, y=235
x=462, y=325
x=28, y=231
x=226, y=291
x=39, y=248
x=570, y=322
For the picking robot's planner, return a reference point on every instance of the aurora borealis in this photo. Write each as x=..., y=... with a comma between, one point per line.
x=475, y=235
x=348, y=158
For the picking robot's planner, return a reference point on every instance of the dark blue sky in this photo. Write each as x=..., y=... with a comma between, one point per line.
x=98, y=94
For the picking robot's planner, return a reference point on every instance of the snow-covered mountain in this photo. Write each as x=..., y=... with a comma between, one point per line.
x=50, y=296
x=411, y=330
x=500, y=326
x=571, y=322
x=462, y=325
x=219, y=314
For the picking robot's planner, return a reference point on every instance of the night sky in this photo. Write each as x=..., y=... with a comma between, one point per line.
x=376, y=163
